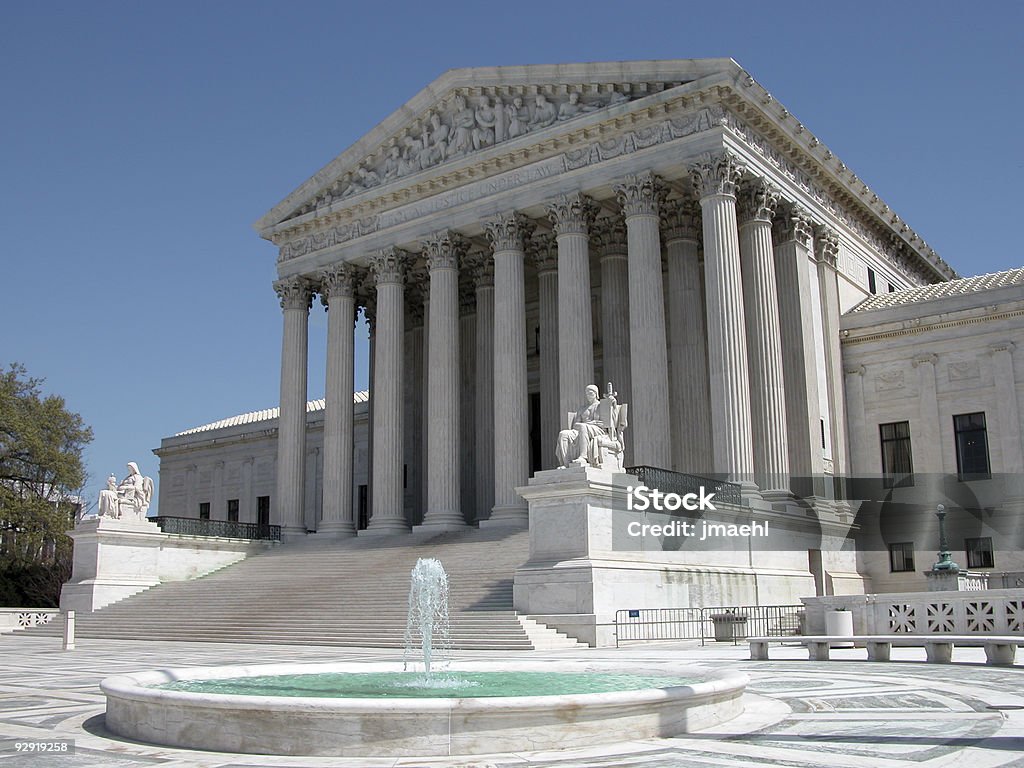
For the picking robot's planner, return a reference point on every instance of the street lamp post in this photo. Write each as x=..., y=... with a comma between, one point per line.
x=945, y=563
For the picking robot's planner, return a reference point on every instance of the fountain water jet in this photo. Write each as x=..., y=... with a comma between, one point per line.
x=428, y=611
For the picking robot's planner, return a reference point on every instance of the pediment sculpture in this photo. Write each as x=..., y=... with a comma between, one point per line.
x=594, y=437
x=464, y=126
x=128, y=499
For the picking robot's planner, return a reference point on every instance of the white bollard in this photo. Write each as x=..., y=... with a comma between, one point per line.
x=69, y=630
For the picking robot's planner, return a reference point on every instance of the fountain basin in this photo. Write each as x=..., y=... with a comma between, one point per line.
x=397, y=726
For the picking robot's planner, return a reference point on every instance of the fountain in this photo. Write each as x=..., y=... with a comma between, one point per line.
x=428, y=610
x=382, y=709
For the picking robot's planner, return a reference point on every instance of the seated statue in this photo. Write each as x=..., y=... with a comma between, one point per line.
x=129, y=499
x=594, y=437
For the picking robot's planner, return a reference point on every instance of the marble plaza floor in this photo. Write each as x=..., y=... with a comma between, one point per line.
x=845, y=713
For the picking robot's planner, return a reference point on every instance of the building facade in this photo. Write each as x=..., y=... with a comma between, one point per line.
x=514, y=234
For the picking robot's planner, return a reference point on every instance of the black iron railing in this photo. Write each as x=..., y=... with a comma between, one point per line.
x=667, y=481
x=192, y=526
x=723, y=623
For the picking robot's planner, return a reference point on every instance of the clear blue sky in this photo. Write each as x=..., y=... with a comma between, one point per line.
x=140, y=141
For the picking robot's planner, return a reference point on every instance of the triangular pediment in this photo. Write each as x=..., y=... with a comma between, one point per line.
x=468, y=111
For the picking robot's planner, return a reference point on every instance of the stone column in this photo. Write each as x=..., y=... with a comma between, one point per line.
x=859, y=445
x=370, y=313
x=926, y=438
x=247, y=511
x=388, y=514
x=715, y=179
x=219, y=506
x=764, y=340
x=296, y=297
x=483, y=276
x=507, y=234
x=1009, y=427
x=191, y=483
x=610, y=235
x=443, y=511
x=649, y=406
x=552, y=417
x=800, y=368
x=337, y=292
x=468, y=435
x=826, y=251
x=691, y=403
x=572, y=216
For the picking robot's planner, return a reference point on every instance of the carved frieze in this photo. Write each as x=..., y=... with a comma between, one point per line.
x=890, y=380
x=964, y=370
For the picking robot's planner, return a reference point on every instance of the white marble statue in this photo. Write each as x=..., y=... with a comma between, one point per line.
x=129, y=499
x=544, y=113
x=595, y=435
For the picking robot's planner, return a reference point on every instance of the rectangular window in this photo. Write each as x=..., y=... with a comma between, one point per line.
x=263, y=510
x=897, y=462
x=971, y=446
x=232, y=510
x=892, y=288
x=979, y=553
x=901, y=557
x=872, y=287
x=204, y=510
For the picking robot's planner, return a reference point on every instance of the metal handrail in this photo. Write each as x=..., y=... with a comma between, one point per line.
x=667, y=481
x=193, y=526
x=722, y=622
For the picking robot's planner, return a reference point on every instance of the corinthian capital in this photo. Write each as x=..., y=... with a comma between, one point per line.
x=610, y=236
x=481, y=267
x=826, y=246
x=294, y=292
x=757, y=201
x=717, y=174
x=542, y=249
x=444, y=250
x=338, y=280
x=680, y=220
x=640, y=195
x=795, y=224
x=508, y=231
x=572, y=214
x=388, y=265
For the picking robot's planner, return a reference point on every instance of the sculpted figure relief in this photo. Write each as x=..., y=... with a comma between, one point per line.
x=595, y=435
x=129, y=499
x=544, y=113
x=461, y=129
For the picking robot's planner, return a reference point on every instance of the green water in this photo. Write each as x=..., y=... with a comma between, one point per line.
x=440, y=685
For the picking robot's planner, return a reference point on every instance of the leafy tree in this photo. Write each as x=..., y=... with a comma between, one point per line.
x=41, y=471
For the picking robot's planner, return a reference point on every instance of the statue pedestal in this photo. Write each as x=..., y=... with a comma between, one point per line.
x=576, y=578
x=113, y=559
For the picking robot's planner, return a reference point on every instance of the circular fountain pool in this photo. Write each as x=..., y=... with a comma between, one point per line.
x=258, y=709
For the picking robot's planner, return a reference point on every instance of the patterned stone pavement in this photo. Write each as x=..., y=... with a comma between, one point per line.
x=845, y=713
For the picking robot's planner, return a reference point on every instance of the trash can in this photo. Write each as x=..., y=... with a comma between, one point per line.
x=839, y=622
x=729, y=627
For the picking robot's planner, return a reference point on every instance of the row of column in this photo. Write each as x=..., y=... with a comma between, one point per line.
x=749, y=309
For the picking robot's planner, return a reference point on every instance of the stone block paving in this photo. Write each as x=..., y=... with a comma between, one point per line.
x=844, y=713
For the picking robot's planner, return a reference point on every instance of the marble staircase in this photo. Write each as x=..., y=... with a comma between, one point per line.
x=347, y=592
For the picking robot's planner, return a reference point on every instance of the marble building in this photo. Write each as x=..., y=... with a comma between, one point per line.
x=513, y=234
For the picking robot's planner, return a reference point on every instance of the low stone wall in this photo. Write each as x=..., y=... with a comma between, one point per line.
x=988, y=611
x=115, y=559
x=12, y=619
